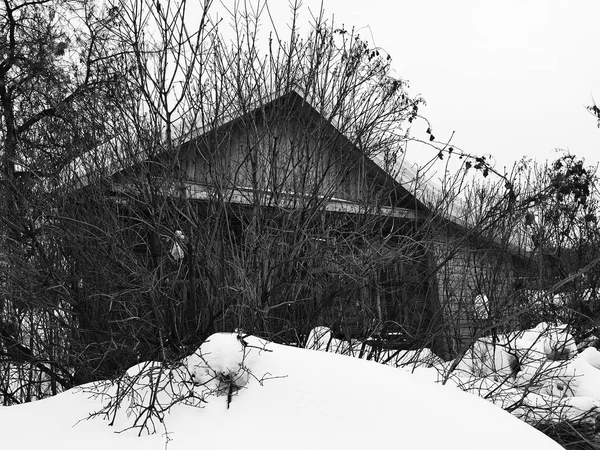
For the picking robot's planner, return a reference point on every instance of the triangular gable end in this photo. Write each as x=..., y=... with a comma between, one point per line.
x=285, y=153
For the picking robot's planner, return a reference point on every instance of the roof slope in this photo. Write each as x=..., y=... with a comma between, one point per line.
x=112, y=158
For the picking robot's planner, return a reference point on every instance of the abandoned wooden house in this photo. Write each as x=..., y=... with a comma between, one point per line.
x=275, y=221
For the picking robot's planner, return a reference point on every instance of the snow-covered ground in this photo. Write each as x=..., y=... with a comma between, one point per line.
x=536, y=374
x=247, y=393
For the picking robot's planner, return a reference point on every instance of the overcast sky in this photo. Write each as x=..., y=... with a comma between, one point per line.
x=511, y=78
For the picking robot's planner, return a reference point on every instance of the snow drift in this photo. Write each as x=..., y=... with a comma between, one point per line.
x=243, y=392
x=536, y=374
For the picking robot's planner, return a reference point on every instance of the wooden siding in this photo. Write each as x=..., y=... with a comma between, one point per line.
x=466, y=272
x=285, y=163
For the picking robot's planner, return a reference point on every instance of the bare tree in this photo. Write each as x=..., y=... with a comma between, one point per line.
x=54, y=88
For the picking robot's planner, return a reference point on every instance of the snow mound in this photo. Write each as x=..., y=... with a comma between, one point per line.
x=545, y=340
x=542, y=378
x=220, y=361
x=578, y=378
x=294, y=399
x=536, y=374
x=592, y=356
x=486, y=358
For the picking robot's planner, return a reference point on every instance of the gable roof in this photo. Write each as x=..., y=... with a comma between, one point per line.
x=110, y=158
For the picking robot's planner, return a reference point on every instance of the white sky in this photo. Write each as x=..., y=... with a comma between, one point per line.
x=511, y=78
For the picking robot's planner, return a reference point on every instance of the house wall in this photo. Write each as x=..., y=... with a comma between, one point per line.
x=281, y=268
x=408, y=294
x=466, y=271
x=292, y=162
